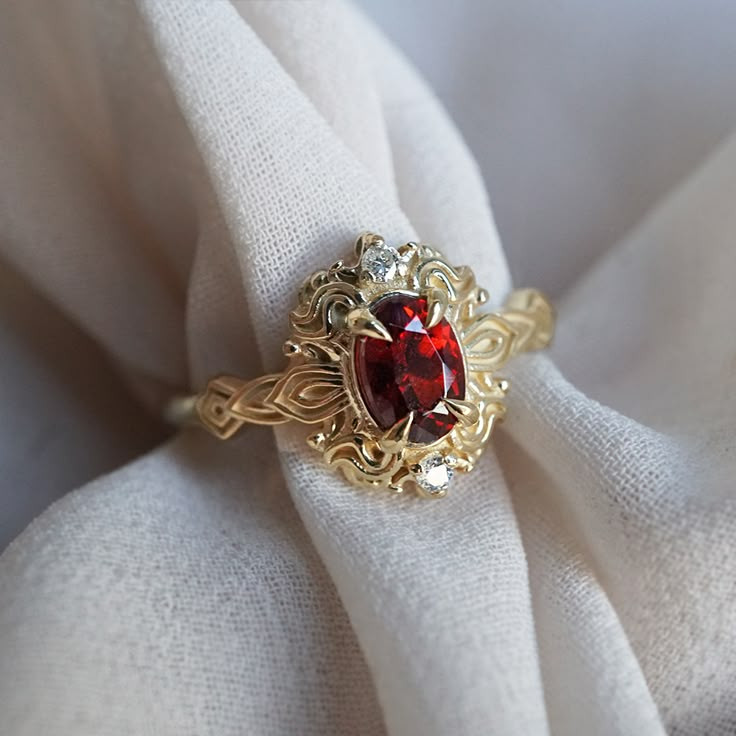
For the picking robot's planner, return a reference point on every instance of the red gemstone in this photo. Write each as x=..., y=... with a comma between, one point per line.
x=413, y=372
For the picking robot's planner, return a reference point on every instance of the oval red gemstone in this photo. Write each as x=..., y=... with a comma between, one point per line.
x=414, y=372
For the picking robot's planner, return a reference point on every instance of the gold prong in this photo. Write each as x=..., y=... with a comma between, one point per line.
x=436, y=306
x=461, y=465
x=398, y=435
x=464, y=411
x=361, y=321
x=410, y=247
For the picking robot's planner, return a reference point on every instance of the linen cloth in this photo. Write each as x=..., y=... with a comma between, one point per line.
x=173, y=170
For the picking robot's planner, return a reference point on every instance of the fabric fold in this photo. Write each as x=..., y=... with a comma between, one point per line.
x=204, y=160
x=178, y=595
x=509, y=699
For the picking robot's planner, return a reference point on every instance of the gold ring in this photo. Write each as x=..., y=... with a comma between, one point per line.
x=391, y=361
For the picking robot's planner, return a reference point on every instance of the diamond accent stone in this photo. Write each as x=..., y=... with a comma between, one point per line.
x=433, y=474
x=380, y=262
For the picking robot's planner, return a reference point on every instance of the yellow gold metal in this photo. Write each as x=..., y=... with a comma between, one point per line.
x=466, y=412
x=360, y=321
x=319, y=385
x=437, y=304
x=398, y=436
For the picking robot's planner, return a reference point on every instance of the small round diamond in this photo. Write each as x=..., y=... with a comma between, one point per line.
x=380, y=262
x=433, y=474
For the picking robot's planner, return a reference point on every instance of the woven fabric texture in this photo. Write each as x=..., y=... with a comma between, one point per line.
x=171, y=170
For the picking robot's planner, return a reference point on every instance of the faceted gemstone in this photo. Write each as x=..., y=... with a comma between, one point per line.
x=414, y=372
x=380, y=262
x=433, y=474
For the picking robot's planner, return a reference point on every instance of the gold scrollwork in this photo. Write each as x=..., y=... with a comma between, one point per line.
x=230, y=402
x=310, y=392
x=457, y=283
x=363, y=460
x=319, y=386
x=319, y=313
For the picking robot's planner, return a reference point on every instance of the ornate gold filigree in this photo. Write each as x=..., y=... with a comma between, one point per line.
x=319, y=386
x=310, y=393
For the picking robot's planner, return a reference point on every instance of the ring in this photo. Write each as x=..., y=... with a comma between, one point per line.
x=391, y=362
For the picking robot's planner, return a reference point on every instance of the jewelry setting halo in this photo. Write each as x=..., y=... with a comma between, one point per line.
x=392, y=363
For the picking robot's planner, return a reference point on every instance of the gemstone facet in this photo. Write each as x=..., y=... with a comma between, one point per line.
x=432, y=474
x=380, y=262
x=413, y=372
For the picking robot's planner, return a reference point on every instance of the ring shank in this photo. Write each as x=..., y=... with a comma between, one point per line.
x=228, y=402
x=181, y=410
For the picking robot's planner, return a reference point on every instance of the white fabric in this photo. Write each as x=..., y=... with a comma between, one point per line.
x=581, y=115
x=170, y=172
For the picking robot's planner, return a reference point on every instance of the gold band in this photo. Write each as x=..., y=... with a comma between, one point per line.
x=229, y=402
x=320, y=386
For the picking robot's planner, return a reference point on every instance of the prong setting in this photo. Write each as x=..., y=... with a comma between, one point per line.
x=396, y=333
x=466, y=412
x=398, y=436
x=437, y=303
x=361, y=321
x=391, y=364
